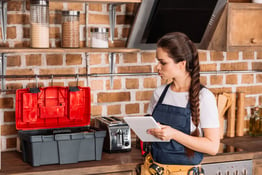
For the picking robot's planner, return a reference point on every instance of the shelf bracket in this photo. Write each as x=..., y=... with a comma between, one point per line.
x=3, y=17
x=112, y=20
x=112, y=61
x=2, y=69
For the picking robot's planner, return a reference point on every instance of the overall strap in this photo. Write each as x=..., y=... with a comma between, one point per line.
x=163, y=94
x=160, y=100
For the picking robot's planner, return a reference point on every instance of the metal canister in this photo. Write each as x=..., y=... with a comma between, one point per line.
x=39, y=22
x=70, y=29
x=99, y=37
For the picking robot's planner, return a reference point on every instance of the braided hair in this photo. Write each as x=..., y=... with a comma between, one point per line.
x=180, y=48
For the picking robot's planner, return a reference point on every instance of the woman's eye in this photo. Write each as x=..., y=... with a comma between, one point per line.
x=163, y=63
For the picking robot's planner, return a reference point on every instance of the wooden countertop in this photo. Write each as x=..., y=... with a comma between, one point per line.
x=123, y=162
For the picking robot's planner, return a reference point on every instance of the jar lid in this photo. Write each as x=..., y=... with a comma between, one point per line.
x=99, y=29
x=70, y=13
x=40, y=2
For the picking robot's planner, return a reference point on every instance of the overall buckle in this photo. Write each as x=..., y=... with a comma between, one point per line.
x=156, y=170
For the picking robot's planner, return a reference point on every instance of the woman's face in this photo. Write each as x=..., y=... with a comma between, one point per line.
x=166, y=66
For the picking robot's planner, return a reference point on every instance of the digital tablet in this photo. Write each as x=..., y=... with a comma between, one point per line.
x=140, y=125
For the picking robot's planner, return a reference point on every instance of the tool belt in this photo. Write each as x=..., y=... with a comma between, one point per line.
x=153, y=168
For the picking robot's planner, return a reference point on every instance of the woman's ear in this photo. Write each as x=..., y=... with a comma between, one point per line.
x=182, y=65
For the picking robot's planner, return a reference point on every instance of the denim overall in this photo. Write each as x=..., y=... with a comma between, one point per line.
x=179, y=118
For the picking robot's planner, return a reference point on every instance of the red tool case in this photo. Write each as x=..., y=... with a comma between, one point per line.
x=54, y=126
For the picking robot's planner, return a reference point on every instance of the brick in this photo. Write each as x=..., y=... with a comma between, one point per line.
x=56, y=83
x=130, y=58
x=260, y=100
x=75, y=83
x=143, y=95
x=259, y=55
x=96, y=84
x=117, y=43
x=17, y=19
x=257, y=65
x=54, y=59
x=11, y=32
x=116, y=84
x=8, y=129
x=146, y=107
x=14, y=6
x=234, y=66
x=76, y=6
x=148, y=57
x=95, y=59
x=9, y=116
x=82, y=20
x=124, y=19
x=132, y=108
x=95, y=7
x=203, y=80
x=131, y=8
x=254, y=89
x=150, y=82
x=125, y=32
x=247, y=78
x=96, y=110
x=132, y=83
x=99, y=70
x=55, y=18
x=13, y=61
x=33, y=60
x=208, y=67
x=216, y=79
x=73, y=59
x=231, y=79
x=216, y=56
x=202, y=55
x=10, y=143
x=55, y=6
x=59, y=71
x=54, y=33
x=250, y=101
x=259, y=78
x=14, y=86
x=104, y=97
x=248, y=55
x=113, y=109
x=134, y=69
x=220, y=90
x=19, y=72
x=98, y=19
x=232, y=56
x=82, y=70
x=26, y=32
x=34, y=85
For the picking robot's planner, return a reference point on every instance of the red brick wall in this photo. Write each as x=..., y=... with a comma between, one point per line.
x=130, y=94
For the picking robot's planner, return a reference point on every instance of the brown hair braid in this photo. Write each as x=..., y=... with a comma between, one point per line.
x=180, y=48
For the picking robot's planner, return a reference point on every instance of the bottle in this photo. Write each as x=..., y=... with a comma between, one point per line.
x=70, y=29
x=39, y=23
x=256, y=122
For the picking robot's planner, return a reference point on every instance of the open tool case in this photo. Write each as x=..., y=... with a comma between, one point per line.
x=54, y=126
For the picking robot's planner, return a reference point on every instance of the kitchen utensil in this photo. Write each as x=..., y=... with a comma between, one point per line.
x=231, y=116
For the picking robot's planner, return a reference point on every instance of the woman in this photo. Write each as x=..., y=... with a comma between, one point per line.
x=186, y=111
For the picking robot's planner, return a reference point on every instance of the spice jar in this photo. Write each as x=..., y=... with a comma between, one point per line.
x=99, y=37
x=70, y=29
x=39, y=23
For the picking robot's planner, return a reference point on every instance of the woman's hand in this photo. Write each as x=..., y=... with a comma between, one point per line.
x=165, y=132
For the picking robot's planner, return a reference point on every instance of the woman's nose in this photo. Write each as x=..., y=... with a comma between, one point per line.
x=158, y=67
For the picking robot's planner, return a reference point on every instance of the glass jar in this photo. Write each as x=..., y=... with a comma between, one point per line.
x=39, y=23
x=99, y=37
x=70, y=29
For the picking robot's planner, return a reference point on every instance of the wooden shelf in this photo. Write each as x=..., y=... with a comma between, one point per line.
x=100, y=1
x=62, y=50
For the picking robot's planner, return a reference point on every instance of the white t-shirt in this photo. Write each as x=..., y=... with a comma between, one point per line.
x=208, y=105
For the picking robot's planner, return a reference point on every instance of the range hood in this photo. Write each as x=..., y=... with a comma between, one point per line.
x=196, y=18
